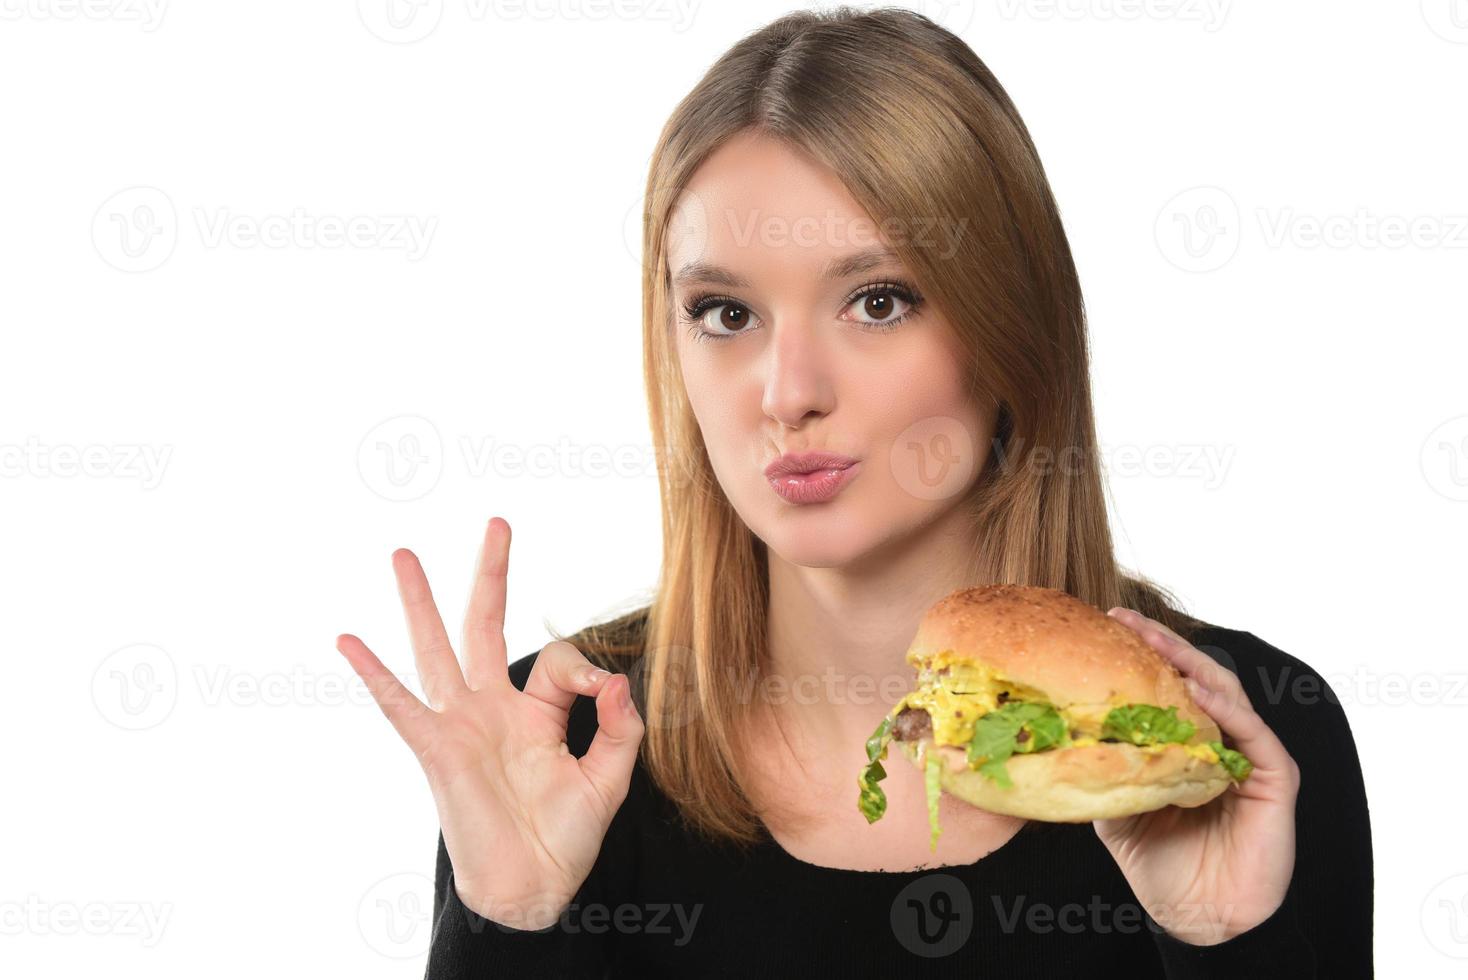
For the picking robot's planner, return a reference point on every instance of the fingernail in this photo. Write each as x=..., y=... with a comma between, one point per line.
x=594, y=675
x=1196, y=691
x=625, y=698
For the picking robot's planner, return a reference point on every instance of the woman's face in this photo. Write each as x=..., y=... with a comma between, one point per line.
x=807, y=342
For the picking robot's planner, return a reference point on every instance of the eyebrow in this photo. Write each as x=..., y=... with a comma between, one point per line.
x=838, y=268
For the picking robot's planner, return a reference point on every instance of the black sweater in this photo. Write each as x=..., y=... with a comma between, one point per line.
x=1050, y=902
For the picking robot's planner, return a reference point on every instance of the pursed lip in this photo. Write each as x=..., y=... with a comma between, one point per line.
x=792, y=463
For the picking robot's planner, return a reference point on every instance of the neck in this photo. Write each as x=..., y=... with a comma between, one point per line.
x=838, y=636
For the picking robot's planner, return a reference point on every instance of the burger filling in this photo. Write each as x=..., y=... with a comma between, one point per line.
x=968, y=705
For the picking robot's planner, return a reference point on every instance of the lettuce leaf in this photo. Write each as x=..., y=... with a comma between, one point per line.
x=1146, y=724
x=933, y=782
x=1234, y=761
x=997, y=736
x=872, y=802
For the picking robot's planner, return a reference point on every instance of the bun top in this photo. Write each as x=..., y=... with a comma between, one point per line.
x=1055, y=643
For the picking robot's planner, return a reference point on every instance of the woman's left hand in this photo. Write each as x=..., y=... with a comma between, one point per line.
x=1208, y=873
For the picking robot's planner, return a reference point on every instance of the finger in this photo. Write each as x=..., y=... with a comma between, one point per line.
x=561, y=672
x=1236, y=716
x=437, y=666
x=1215, y=689
x=1188, y=659
x=1136, y=619
x=485, y=658
x=1121, y=828
x=408, y=715
x=609, y=760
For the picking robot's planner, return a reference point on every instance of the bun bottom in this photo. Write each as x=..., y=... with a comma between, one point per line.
x=1081, y=784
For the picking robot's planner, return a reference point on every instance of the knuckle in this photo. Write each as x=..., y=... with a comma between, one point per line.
x=1228, y=682
x=561, y=660
x=562, y=652
x=438, y=648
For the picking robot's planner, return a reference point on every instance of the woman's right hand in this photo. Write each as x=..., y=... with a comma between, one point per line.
x=523, y=819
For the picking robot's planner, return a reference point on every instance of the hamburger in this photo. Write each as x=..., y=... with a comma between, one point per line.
x=1032, y=703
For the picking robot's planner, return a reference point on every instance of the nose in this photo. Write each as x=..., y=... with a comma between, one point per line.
x=797, y=383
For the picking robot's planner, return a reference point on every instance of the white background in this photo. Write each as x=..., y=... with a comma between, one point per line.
x=196, y=497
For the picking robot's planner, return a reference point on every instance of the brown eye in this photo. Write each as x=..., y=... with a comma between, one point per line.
x=878, y=306
x=733, y=318
x=881, y=306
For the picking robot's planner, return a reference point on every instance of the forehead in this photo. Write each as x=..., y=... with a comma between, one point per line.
x=766, y=210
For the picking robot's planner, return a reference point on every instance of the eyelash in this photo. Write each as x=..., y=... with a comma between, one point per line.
x=697, y=308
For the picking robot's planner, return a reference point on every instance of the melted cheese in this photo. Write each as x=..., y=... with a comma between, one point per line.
x=1202, y=752
x=968, y=691
x=1086, y=719
x=963, y=695
x=1199, y=751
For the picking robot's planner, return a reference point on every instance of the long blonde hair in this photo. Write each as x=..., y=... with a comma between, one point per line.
x=915, y=125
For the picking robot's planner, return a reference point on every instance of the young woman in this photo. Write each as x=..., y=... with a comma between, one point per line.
x=866, y=366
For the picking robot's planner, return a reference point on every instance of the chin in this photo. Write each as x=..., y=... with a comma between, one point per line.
x=818, y=536
x=817, y=555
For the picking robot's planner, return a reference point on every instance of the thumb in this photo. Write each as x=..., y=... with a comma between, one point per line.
x=1115, y=830
x=609, y=759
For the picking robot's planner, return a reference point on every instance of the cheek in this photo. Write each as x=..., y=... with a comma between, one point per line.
x=701, y=384
x=722, y=400
x=923, y=386
x=930, y=435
